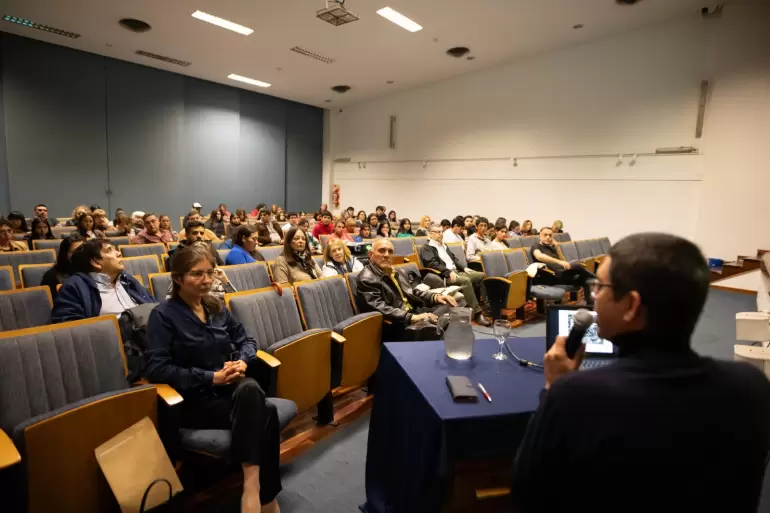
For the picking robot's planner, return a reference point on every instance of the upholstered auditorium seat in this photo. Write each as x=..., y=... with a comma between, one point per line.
x=606, y=245
x=513, y=242
x=251, y=276
x=270, y=253
x=32, y=274
x=47, y=244
x=295, y=363
x=25, y=308
x=119, y=241
x=458, y=250
x=326, y=304
x=159, y=285
x=15, y=259
x=505, y=289
x=6, y=277
x=142, y=266
x=134, y=250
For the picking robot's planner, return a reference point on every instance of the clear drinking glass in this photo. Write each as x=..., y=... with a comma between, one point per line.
x=502, y=332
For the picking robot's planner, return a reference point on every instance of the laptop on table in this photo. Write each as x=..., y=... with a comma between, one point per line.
x=559, y=320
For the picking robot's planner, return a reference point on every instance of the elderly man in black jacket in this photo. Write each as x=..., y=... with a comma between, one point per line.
x=386, y=289
x=435, y=255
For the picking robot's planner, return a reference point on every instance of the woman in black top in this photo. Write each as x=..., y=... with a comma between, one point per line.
x=18, y=222
x=41, y=230
x=62, y=269
x=383, y=230
x=189, y=347
x=216, y=223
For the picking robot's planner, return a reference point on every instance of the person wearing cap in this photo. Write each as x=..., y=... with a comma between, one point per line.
x=197, y=206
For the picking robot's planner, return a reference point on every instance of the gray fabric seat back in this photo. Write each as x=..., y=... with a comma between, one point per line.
x=596, y=247
x=494, y=264
x=583, y=248
x=516, y=260
x=528, y=241
x=606, y=245
x=6, y=278
x=319, y=259
x=247, y=276
x=32, y=275
x=566, y=237
x=458, y=250
x=143, y=249
x=160, y=284
x=25, y=308
x=47, y=244
x=266, y=316
x=17, y=258
x=513, y=242
x=223, y=254
x=325, y=303
x=60, y=365
x=569, y=251
x=216, y=244
x=142, y=266
x=421, y=240
x=402, y=246
x=352, y=279
x=119, y=241
x=270, y=253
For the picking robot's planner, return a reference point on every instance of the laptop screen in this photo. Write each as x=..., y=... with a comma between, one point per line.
x=559, y=323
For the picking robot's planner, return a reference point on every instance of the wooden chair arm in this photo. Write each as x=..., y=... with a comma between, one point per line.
x=336, y=337
x=166, y=392
x=265, y=370
x=430, y=270
x=9, y=455
x=268, y=359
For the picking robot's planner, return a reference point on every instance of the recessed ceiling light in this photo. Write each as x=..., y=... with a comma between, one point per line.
x=31, y=24
x=578, y=26
x=399, y=19
x=229, y=25
x=327, y=101
x=389, y=82
x=239, y=78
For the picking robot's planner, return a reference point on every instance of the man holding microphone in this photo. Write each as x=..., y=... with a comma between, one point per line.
x=662, y=429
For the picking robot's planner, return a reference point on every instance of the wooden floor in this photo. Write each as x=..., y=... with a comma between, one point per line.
x=209, y=484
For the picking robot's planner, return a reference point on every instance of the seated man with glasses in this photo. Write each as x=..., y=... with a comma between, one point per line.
x=386, y=289
x=560, y=272
x=435, y=255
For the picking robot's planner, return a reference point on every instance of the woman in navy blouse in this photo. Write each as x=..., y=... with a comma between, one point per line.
x=189, y=347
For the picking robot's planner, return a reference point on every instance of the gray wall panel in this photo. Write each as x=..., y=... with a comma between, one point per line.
x=145, y=123
x=55, y=126
x=304, y=155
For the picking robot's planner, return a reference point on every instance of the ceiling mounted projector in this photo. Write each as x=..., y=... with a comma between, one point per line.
x=336, y=13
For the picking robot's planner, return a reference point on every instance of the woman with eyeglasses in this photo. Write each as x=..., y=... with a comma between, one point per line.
x=296, y=262
x=244, y=246
x=196, y=346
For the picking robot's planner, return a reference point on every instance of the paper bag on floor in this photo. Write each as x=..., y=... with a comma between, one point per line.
x=134, y=459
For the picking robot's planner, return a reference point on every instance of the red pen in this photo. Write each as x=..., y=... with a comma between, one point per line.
x=484, y=391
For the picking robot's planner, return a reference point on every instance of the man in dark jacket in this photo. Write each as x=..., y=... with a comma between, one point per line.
x=435, y=255
x=386, y=289
x=269, y=232
x=662, y=429
x=99, y=285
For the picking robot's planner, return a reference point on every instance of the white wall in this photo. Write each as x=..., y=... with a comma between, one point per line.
x=629, y=94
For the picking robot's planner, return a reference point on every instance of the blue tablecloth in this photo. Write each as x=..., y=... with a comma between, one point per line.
x=416, y=428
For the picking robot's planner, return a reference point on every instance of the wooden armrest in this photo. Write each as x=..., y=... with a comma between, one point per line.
x=491, y=493
x=431, y=270
x=497, y=278
x=166, y=392
x=269, y=359
x=9, y=455
x=336, y=337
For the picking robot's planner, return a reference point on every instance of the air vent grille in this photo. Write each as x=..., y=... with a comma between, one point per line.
x=162, y=58
x=312, y=54
x=38, y=26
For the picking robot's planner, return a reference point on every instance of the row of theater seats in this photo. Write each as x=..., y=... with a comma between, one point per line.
x=310, y=337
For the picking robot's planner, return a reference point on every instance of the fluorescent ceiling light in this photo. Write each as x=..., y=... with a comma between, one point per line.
x=229, y=25
x=258, y=83
x=399, y=19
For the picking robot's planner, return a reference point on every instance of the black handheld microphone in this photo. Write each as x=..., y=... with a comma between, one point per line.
x=582, y=320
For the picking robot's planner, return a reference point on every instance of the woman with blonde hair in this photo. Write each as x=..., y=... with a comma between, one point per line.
x=76, y=213
x=424, y=228
x=338, y=260
x=558, y=227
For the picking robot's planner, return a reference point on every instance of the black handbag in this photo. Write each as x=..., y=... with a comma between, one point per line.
x=161, y=507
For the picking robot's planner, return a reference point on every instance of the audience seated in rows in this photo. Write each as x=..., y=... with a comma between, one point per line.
x=193, y=215
x=196, y=346
x=527, y=229
x=405, y=228
x=62, y=269
x=365, y=232
x=374, y=222
x=136, y=219
x=100, y=220
x=151, y=233
x=477, y=241
x=76, y=213
x=557, y=227
x=341, y=232
x=562, y=272
x=292, y=220
x=380, y=212
x=514, y=229
x=232, y=227
x=220, y=283
x=41, y=211
x=392, y=217
x=454, y=234
x=435, y=255
x=216, y=223
x=41, y=230
x=123, y=226
x=501, y=234
x=338, y=260
x=269, y=231
x=386, y=289
x=244, y=250
x=167, y=232
x=7, y=244
x=225, y=214
x=383, y=229
x=313, y=244
x=99, y=285
x=424, y=227
x=325, y=226
x=18, y=222
x=296, y=262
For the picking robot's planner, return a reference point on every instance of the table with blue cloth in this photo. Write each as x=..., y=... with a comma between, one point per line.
x=417, y=432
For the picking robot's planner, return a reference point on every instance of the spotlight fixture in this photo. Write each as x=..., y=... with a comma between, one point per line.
x=336, y=13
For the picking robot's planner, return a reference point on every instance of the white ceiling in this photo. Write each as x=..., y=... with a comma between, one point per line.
x=367, y=53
